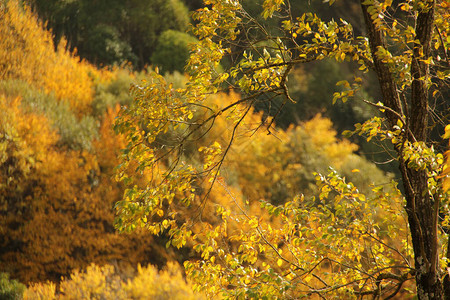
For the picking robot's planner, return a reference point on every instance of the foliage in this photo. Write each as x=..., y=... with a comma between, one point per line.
x=147, y=20
x=112, y=32
x=237, y=249
x=289, y=160
x=74, y=132
x=340, y=243
x=24, y=42
x=172, y=51
x=103, y=45
x=322, y=247
x=56, y=206
x=105, y=283
x=311, y=90
x=56, y=159
x=10, y=289
x=114, y=92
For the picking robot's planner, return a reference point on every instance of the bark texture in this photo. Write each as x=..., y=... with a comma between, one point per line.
x=420, y=207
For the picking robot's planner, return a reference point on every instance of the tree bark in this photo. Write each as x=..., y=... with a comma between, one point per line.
x=420, y=207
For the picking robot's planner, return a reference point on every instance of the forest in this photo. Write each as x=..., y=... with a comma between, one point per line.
x=188, y=149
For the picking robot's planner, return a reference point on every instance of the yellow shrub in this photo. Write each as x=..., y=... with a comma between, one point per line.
x=27, y=53
x=165, y=284
x=104, y=283
x=40, y=291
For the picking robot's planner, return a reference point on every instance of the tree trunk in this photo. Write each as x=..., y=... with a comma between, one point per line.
x=420, y=207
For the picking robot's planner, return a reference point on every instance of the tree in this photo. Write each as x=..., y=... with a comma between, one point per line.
x=172, y=51
x=405, y=45
x=112, y=32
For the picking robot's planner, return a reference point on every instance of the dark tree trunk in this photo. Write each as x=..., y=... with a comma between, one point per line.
x=420, y=207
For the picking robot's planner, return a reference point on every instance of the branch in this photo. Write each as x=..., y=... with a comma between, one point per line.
x=383, y=276
x=386, y=245
x=443, y=44
x=401, y=118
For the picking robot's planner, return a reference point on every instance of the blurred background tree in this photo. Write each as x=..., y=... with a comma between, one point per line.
x=112, y=32
x=172, y=51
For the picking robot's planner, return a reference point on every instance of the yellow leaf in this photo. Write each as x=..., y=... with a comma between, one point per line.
x=279, y=262
x=446, y=185
x=447, y=132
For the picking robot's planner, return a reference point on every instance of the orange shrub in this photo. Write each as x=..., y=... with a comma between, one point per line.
x=56, y=205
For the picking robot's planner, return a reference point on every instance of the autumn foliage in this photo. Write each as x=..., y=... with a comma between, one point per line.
x=101, y=172
x=105, y=283
x=57, y=188
x=27, y=53
x=339, y=233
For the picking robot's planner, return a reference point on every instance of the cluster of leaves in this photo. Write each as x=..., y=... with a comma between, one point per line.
x=279, y=166
x=255, y=251
x=333, y=245
x=252, y=251
x=338, y=241
x=75, y=132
